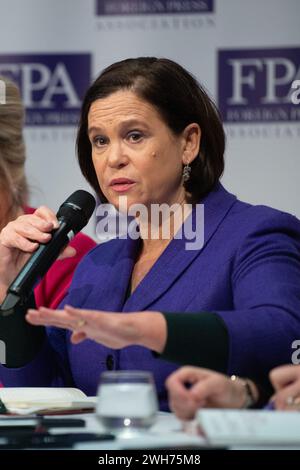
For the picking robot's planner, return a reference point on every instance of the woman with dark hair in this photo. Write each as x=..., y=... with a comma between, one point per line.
x=150, y=136
x=179, y=100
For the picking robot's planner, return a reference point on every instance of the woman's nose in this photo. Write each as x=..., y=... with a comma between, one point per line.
x=117, y=156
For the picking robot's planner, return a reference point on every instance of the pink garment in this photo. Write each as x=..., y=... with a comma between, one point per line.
x=55, y=284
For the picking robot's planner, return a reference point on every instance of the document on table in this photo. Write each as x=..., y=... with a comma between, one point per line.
x=28, y=400
x=254, y=427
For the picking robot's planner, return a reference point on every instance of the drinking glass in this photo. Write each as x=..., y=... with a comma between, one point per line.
x=127, y=401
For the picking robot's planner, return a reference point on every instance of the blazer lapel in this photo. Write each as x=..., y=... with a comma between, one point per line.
x=113, y=268
x=176, y=258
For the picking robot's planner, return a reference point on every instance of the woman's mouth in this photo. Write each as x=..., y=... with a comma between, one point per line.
x=121, y=185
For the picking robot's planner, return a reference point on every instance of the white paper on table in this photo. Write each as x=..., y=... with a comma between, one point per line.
x=28, y=400
x=255, y=427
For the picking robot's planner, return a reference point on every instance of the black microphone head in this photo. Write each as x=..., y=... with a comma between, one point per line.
x=77, y=209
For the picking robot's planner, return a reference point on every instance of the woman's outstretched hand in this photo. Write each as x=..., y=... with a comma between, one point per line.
x=112, y=329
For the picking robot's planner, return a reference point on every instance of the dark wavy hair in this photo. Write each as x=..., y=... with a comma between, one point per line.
x=179, y=99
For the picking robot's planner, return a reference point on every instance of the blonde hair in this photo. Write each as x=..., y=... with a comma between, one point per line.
x=13, y=182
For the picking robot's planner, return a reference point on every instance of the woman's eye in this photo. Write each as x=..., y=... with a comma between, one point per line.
x=135, y=136
x=99, y=141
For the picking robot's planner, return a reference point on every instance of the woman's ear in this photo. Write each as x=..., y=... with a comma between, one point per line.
x=191, y=142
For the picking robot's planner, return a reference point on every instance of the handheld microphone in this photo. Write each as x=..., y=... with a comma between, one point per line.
x=72, y=216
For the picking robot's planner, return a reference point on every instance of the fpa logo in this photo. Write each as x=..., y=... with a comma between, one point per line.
x=257, y=85
x=52, y=85
x=143, y=7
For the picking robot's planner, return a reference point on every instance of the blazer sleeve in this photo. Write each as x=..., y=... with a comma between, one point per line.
x=266, y=293
x=196, y=339
x=258, y=333
x=202, y=340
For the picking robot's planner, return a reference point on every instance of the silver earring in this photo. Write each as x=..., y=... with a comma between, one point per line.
x=186, y=173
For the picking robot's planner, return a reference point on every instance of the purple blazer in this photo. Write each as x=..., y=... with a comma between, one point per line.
x=248, y=272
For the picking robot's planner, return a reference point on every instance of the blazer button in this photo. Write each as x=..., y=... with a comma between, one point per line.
x=110, y=362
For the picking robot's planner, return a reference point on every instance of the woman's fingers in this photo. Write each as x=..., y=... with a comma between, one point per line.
x=48, y=317
x=30, y=233
x=202, y=387
x=94, y=324
x=182, y=403
x=27, y=231
x=77, y=337
x=288, y=398
x=185, y=411
x=21, y=243
x=82, y=319
x=68, y=252
x=47, y=215
x=286, y=381
x=187, y=374
x=114, y=330
x=180, y=385
x=284, y=375
x=80, y=316
x=214, y=389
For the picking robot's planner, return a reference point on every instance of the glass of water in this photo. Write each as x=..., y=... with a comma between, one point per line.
x=127, y=401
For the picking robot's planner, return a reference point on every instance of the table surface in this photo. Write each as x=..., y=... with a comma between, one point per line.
x=167, y=432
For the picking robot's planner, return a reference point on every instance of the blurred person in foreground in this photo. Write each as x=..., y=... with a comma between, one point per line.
x=14, y=195
x=193, y=388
